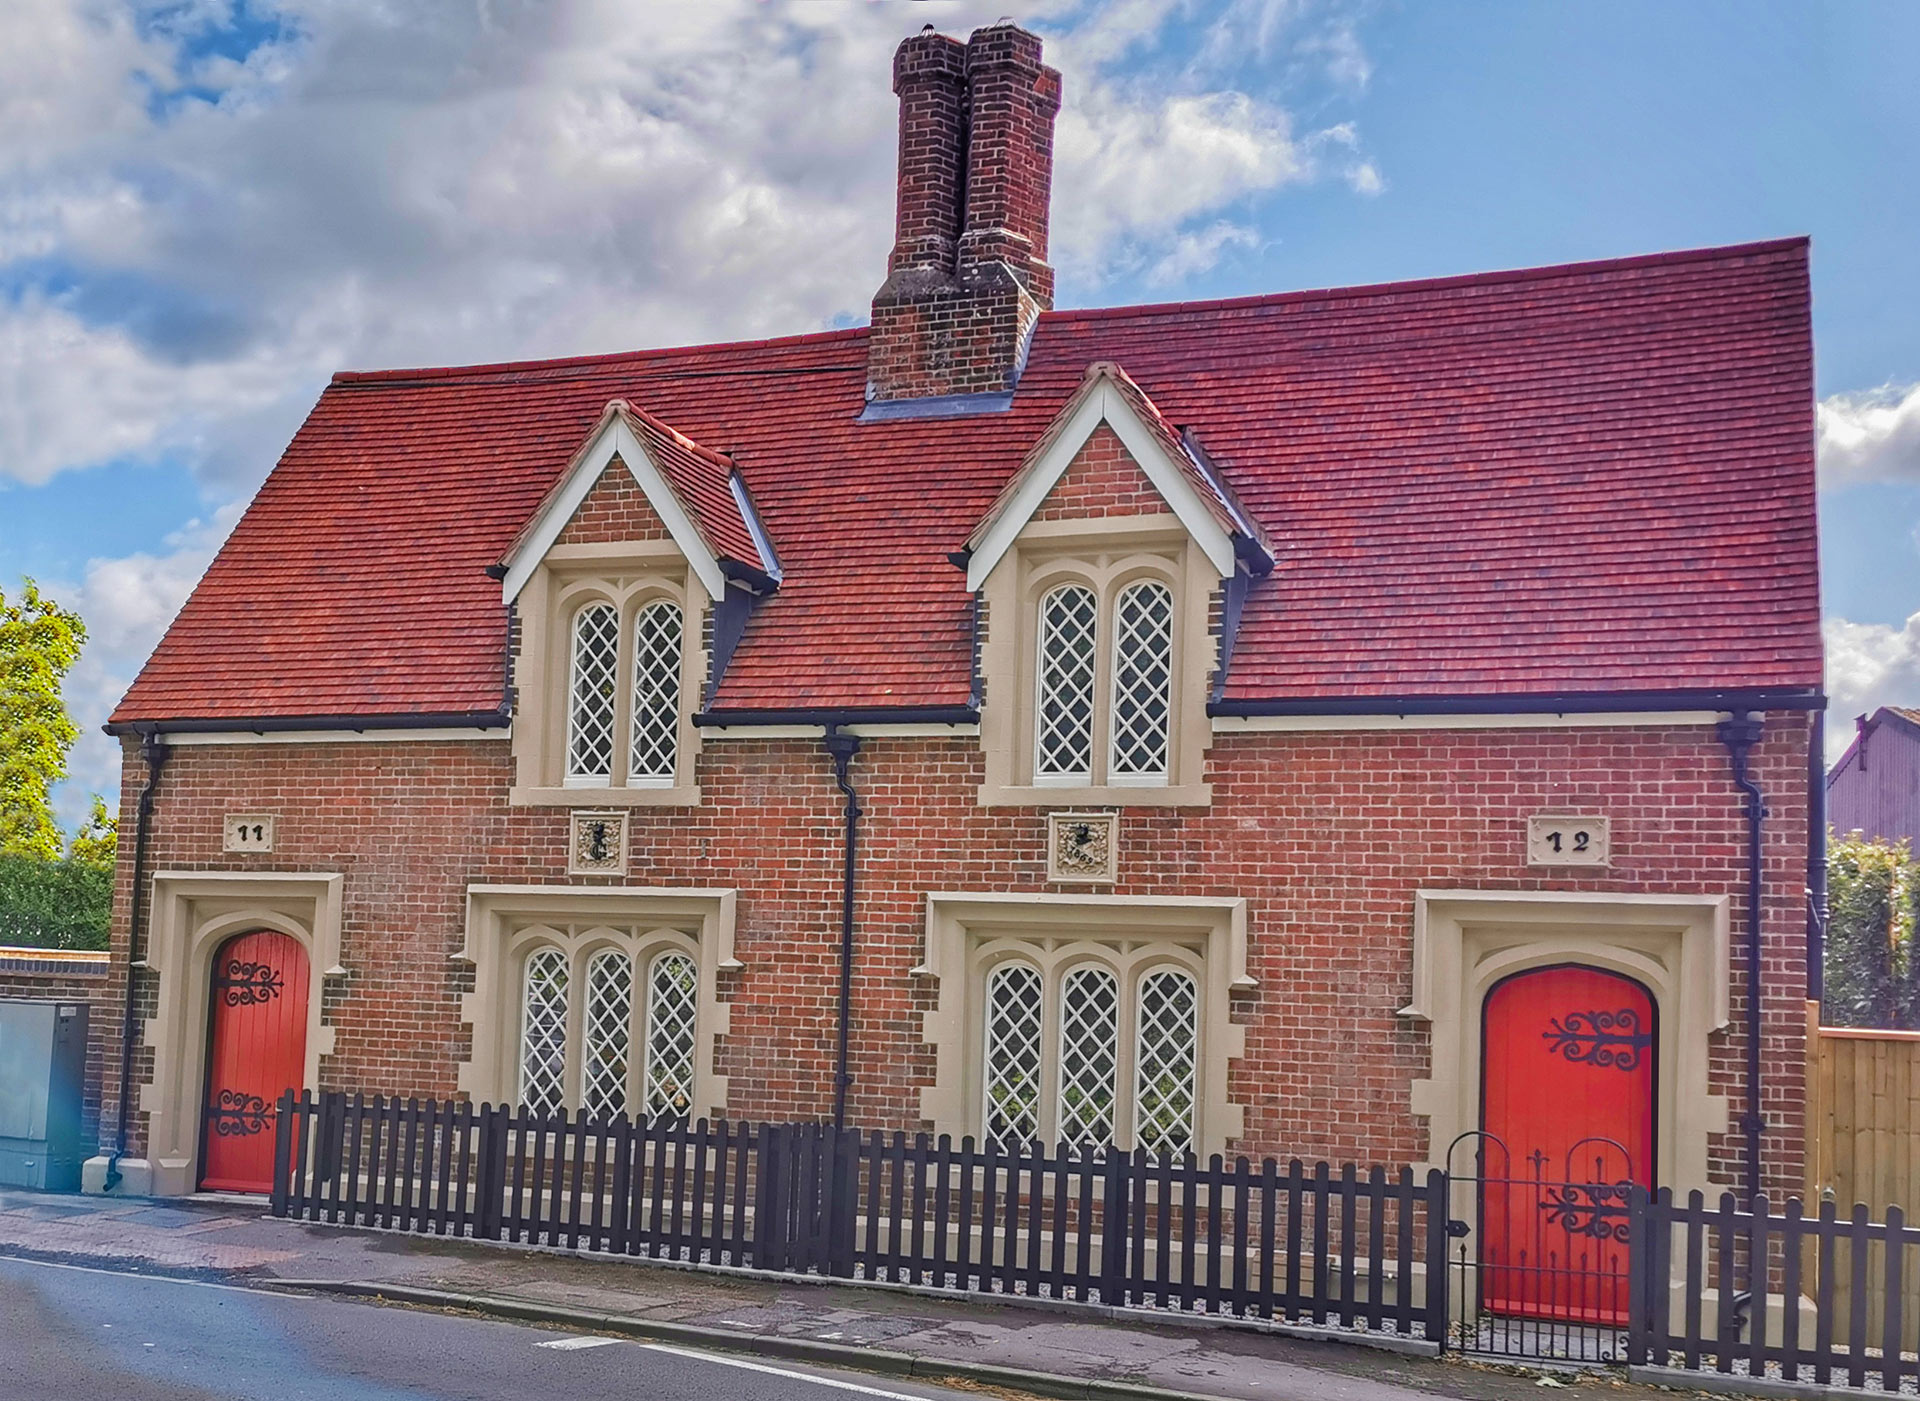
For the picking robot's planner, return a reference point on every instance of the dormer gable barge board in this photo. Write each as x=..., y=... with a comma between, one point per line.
x=615, y=436
x=1101, y=401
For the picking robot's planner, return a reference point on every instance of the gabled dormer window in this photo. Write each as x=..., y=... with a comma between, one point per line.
x=614, y=728
x=1063, y=711
x=596, y=660
x=1103, y=685
x=655, y=745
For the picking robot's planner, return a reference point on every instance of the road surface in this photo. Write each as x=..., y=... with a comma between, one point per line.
x=79, y=1334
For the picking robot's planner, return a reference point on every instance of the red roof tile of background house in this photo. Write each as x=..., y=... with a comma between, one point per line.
x=1585, y=479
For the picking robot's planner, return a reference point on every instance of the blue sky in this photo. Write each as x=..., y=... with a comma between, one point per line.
x=205, y=207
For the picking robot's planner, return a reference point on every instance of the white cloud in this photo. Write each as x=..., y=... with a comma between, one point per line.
x=1868, y=665
x=1870, y=435
x=1199, y=252
x=196, y=239
x=127, y=603
x=381, y=186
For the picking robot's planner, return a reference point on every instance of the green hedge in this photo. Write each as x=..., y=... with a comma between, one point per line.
x=54, y=904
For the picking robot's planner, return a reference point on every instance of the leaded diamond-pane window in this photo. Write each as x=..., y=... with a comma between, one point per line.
x=1142, y=680
x=673, y=988
x=1167, y=1053
x=596, y=652
x=1013, y=1053
x=1089, y=1055
x=608, y=1033
x=1063, y=713
x=543, y=1031
x=656, y=692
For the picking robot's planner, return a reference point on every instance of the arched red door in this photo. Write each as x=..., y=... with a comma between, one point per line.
x=256, y=1051
x=1567, y=1086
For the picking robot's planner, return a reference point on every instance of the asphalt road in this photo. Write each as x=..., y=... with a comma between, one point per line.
x=85, y=1334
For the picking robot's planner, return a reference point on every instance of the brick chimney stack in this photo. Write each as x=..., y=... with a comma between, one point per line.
x=968, y=275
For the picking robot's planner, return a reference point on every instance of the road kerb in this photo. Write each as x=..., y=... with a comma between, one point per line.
x=875, y=1360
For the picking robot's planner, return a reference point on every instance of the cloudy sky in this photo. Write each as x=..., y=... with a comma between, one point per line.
x=206, y=206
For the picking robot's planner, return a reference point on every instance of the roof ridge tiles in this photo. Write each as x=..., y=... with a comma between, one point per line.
x=1721, y=253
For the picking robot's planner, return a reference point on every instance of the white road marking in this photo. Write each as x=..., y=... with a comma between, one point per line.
x=741, y=1362
x=575, y=1344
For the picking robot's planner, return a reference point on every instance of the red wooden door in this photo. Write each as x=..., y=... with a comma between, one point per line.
x=1567, y=1085
x=256, y=1051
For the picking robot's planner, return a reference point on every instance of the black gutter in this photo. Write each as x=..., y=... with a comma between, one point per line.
x=1552, y=703
x=274, y=724
x=1817, y=858
x=1740, y=733
x=154, y=751
x=854, y=715
x=841, y=747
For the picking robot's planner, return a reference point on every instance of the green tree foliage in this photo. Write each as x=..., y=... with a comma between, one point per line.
x=54, y=904
x=1872, y=966
x=39, y=643
x=97, y=842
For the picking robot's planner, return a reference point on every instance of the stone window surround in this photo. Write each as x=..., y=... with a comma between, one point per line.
x=1107, y=554
x=968, y=934
x=629, y=576
x=506, y=922
x=193, y=913
x=1678, y=946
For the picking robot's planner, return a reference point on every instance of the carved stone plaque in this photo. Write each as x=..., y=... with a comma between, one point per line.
x=597, y=844
x=1083, y=846
x=248, y=831
x=1568, y=839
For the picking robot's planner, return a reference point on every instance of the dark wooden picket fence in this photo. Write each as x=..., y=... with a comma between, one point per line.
x=1733, y=1288
x=1743, y=1289
x=1304, y=1244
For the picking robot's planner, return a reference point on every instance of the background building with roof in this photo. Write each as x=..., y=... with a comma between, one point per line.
x=1874, y=789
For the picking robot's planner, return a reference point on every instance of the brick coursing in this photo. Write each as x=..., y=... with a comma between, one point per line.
x=614, y=509
x=1326, y=835
x=1102, y=480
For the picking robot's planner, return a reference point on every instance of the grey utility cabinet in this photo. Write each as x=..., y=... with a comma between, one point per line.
x=43, y=1073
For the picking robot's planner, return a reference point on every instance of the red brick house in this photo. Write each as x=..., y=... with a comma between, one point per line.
x=1324, y=723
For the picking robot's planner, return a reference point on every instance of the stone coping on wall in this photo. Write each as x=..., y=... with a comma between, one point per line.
x=83, y=963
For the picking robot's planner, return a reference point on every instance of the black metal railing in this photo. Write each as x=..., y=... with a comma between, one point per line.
x=1308, y=1245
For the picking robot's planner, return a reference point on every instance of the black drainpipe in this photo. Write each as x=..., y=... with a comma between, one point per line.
x=841, y=747
x=1740, y=732
x=155, y=752
x=1817, y=859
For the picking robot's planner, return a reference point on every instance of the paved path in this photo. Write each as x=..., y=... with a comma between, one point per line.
x=236, y=1242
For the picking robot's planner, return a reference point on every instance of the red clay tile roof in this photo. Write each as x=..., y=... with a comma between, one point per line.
x=1584, y=479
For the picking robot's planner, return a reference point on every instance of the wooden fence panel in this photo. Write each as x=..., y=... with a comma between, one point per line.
x=1863, y=1147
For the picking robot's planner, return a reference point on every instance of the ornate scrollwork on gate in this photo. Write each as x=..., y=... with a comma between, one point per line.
x=235, y=1114
x=1597, y=1209
x=1610, y=1040
x=244, y=984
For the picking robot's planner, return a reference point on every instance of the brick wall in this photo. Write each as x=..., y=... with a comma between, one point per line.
x=615, y=509
x=1102, y=480
x=29, y=975
x=1326, y=835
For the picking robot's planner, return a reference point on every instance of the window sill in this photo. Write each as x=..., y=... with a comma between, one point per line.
x=1185, y=795
x=680, y=796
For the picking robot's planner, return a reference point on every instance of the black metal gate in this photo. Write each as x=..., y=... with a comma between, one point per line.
x=1540, y=1253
